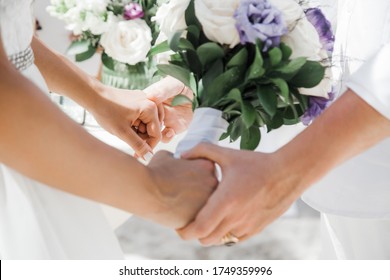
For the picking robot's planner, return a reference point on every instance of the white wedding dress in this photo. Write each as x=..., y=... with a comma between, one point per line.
x=36, y=221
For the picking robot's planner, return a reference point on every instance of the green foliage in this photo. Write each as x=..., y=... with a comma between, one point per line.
x=252, y=87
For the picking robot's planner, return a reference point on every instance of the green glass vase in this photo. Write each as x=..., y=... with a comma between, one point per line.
x=126, y=76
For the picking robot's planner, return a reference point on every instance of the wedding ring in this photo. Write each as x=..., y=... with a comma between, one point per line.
x=229, y=239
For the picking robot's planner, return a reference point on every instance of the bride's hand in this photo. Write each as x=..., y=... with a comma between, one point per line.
x=184, y=187
x=176, y=118
x=131, y=116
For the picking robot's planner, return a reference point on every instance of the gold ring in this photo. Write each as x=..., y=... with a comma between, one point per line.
x=229, y=239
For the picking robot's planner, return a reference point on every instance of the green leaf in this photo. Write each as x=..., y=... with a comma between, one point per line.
x=180, y=100
x=78, y=47
x=235, y=95
x=160, y=48
x=268, y=99
x=286, y=51
x=194, y=63
x=283, y=86
x=193, y=33
x=209, y=52
x=250, y=139
x=256, y=70
x=237, y=129
x=310, y=75
x=238, y=59
x=275, y=56
x=190, y=15
x=215, y=70
x=86, y=55
x=175, y=41
x=288, y=71
x=108, y=61
x=248, y=114
x=184, y=44
x=276, y=122
x=180, y=73
x=291, y=114
x=228, y=80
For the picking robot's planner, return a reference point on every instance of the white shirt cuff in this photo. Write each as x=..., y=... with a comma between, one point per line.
x=372, y=81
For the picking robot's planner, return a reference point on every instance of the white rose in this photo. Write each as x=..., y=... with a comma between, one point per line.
x=218, y=21
x=170, y=17
x=128, y=41
x=304, y=40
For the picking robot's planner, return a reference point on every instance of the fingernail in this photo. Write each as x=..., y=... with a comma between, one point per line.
x=170, y=134
x=148, y=156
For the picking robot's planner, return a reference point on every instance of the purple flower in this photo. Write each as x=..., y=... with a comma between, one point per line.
x=316, y=106
x=133, y=11
x=323, y=27
x=258, y=19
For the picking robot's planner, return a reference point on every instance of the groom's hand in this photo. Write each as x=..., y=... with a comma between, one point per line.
x=175, y=118
x=183, y=186
x=247, y=200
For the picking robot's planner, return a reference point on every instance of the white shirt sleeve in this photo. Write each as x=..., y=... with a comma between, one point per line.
x=372, y=81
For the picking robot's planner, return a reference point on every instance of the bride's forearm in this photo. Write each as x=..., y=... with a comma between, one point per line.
x=38, y=140
x=347, y=128
x=64, y=77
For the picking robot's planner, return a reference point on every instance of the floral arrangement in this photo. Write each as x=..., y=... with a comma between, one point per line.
x=253, y=63
x=122, y=28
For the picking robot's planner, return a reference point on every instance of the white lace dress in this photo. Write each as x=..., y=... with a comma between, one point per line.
x=36, y=221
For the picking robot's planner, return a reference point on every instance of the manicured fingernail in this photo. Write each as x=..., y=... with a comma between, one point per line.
x=170, y=134
x=148, y=156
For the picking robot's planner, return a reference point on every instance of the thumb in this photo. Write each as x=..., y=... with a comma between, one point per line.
x=208, y=151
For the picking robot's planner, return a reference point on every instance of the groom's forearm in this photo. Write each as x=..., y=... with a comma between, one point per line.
x=64, y=77
x=347, y=128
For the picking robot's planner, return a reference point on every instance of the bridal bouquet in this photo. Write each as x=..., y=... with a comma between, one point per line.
x=249, y=63
x=123, y=29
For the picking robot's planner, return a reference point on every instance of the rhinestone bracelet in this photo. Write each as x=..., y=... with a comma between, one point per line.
x=23, y=59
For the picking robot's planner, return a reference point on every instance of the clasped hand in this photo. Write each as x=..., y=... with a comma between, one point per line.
x=143, y=118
